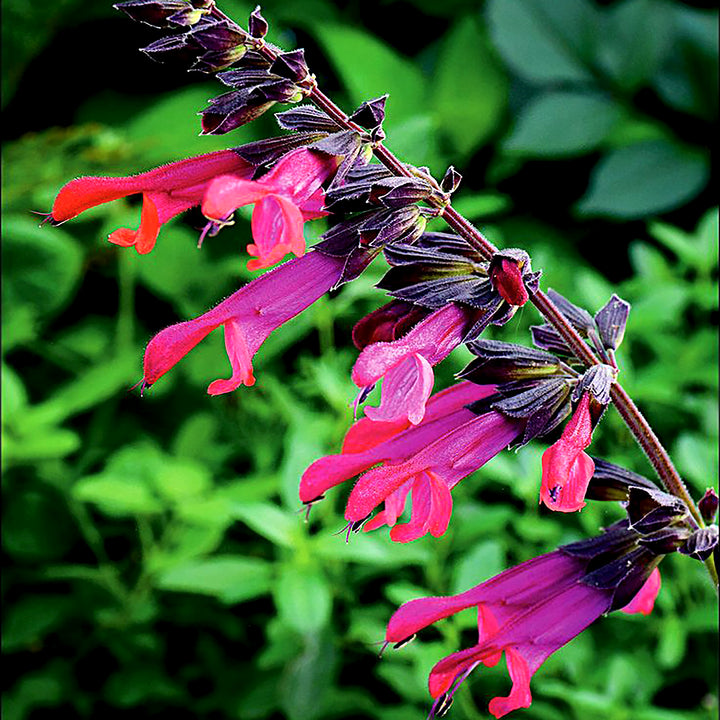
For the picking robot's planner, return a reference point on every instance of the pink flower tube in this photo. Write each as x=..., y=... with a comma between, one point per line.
x=167, y=191
x=406, y=364
x=527, y=612
x=424, y=461
x=284, y=199
x=566, y=468
x=248, y=317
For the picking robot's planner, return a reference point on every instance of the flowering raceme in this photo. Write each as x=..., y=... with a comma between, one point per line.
x=248, y=317
x=425, y=460
x=167, y=191
x=284, y=199
x=406, y=364
x=533, y=609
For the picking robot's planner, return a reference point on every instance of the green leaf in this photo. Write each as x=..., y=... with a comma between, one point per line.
x=562, y=123
x=229, y=578
x=182, y=480
x=268, y=521
x=30, y=619
x=470, y=88
x=303, y=598
x=117, y=496
x=545, y=41
x=369, y=68
x=637, y=38
x=644, y=179
x=477, y=565
x=46, y=264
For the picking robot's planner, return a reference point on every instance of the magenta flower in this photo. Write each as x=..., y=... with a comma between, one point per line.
x=566, y=469
x=406, y=365
x=248, y=317
x=167, y=191
x=528, y=612
x=284, y=199
x=424, y=461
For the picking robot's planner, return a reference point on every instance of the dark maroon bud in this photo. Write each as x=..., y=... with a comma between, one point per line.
x=230, y=111
x=371, y=113
x=257, y=24
x=701, y=543
x=387, y=323
x=217, y=36
x=187, y=17
x=211, y=62
x=708, y=505
x=451, y=180
x=179, y=49
x=153, y=12
x=507, y=270
x=611, y=320
x=291, y=65
x=598, y=381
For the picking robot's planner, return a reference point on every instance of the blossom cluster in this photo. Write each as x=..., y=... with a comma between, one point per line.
x=419, y=442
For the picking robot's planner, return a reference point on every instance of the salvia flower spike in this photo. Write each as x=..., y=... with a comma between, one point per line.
x=446, y=288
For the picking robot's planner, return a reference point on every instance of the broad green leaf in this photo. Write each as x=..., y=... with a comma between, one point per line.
x=470, y=87
x=562, y=123
x=29, y=620
x=644, y=179
x=477, y=565
x=369, y=68
x=118, y=496
x=42, y=265
x=479, y=206
x=182, y=480
x=229, y=578
x=545, y=41
x=303, y=598
x=36, y=526
x=638, y=35
x=269, y=521
x=92, y=387
x=307, y=678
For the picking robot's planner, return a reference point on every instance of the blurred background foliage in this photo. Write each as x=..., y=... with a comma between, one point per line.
x=157, y=564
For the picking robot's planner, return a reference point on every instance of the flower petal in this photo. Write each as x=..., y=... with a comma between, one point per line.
x=644, y=601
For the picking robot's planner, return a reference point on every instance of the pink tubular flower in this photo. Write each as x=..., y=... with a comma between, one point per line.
x=248, y=317
x=167, y=191
x=644, y=601
x=528, y=612
x=406, y=365
x=284, y=199
x=566, y=469
x=425, y=461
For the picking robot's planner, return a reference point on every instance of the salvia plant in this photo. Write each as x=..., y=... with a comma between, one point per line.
x=406, y=450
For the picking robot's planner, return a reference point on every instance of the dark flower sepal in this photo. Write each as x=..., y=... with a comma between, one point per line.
x=499, y=362
x=266, y=152
x=611, y=320
x=701, y=544
x=257, y=24
x=649, y=509
x=370, y=114
x=306, y=118
x=612, y=482
x=291, y=65
x=708, y=505
x=161, y=13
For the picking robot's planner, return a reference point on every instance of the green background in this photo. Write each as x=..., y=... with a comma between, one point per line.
x=156, y=562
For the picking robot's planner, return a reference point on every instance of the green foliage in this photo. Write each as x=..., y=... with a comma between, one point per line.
x=159, y=564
